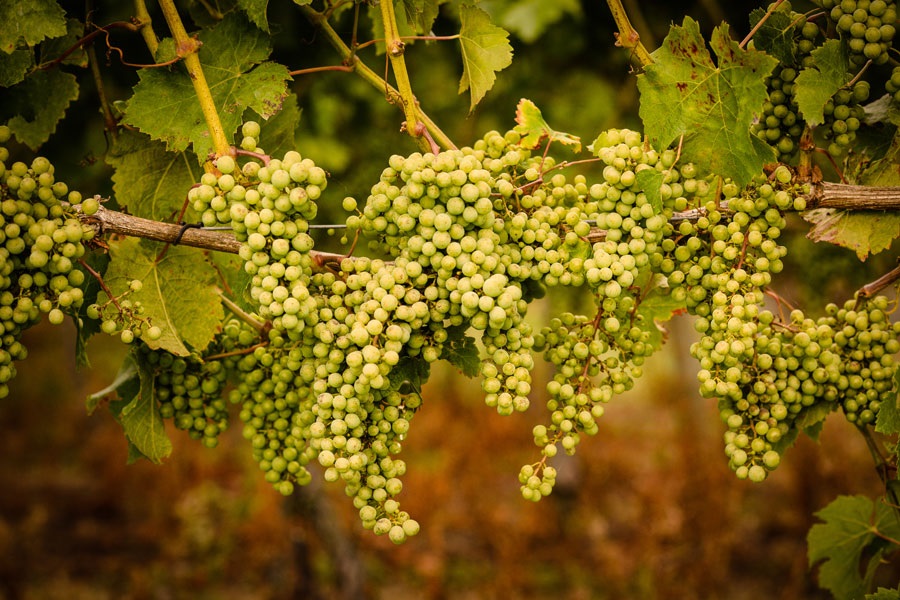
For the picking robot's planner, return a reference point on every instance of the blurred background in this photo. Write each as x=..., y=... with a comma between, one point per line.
x=646, y=509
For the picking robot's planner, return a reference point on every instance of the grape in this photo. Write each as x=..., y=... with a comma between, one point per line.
x=41, y=242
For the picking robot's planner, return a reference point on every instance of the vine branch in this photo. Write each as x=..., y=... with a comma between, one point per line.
x=628, y=37
x=187, y=47
x=351, y=60
x=105, y=221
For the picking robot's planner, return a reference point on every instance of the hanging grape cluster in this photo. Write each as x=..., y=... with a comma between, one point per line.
x=41, y=242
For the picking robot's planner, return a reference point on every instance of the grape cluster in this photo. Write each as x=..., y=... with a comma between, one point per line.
x=868, y=25
x=867, y=341
x=892, y=85
x=779, y=124
x=40, y=244
x=124, y=317
x=843, y=115
x=190, y=390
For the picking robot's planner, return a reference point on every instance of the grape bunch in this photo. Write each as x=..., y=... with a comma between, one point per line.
x=190, y=389
x=41, y=241
x=867, y=25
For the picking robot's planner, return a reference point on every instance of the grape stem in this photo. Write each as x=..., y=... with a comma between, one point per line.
x=627, y=36
x=870, y=289
x=772, y=8
x=351, y=60
x=142, y=17
x=101, y=283
x=188, y=47
x=240, y=313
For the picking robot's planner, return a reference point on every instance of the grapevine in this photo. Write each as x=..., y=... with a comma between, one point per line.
x=321, y=356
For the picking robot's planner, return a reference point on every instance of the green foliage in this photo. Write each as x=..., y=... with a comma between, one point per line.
x=863, y=233
x=39, y=103
x=326, y=355
x=30, y=21
x=684, y=93
x=149, y=180
x=850, y=544
x=817, y=84
x=178, y=291
x=485, y=50
x=233, y=55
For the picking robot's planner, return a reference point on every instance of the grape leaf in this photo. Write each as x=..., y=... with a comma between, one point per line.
x=533, y=128
x=657, y=306
x=775, y=35
x=165, y=106
x=31, y=20
x=178, y=293
x=485, y=50
x=143, y=422
x=812, y=420
x=409, y=375
x=849, y=529
x=278, y=133
x=461, y=351
x=814, y=86
x=421, y=14
x=683, y=93
x=128, y=371
x=150, y=181
x=38, y=104
x=256, y=12
x=14, y=66
x=864, y=233
x=650, y=181
x=53, y=49
x=884, y=594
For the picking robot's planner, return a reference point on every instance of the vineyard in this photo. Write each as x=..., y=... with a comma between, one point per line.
x=279, y=236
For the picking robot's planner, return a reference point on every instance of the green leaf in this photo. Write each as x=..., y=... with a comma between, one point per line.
x=684, y=93
x=650, y=181
x=421, y=14
x=888, y=420
x=812, y=419
x=886, y=170
x=143, y=423
x=256, y=12
x=128, y=372
x=165, y=106
x=409, y=375
x=884, y=594
x=849, y=529
x=53, y=49
x=14, y=66
x=864, y=233
x=178, y=293
x=150, y=181
x=529, y=19
x=278, y=133
x=31, y=20
x=814, y=86
x=485, y=50
x=534, y=129
x=461, y=351
x=657, y=306
x=776, y=35
x=38, y=104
